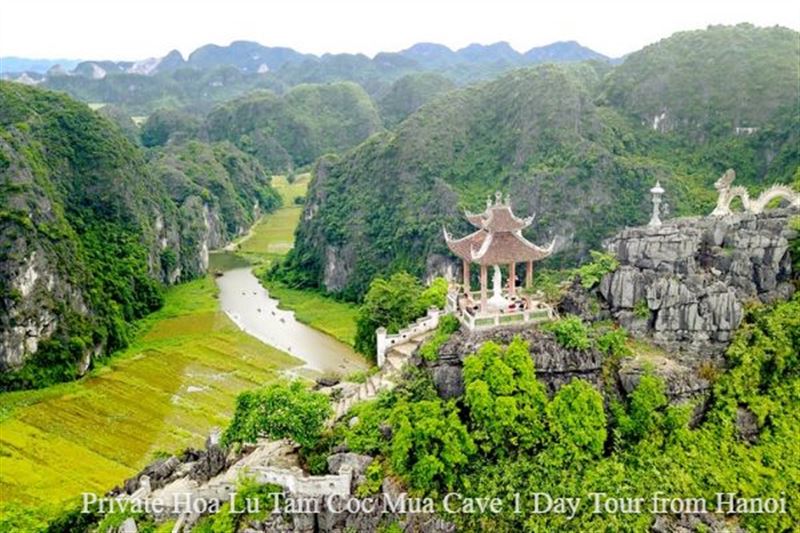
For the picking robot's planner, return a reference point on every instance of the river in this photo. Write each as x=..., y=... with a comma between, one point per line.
x=248, y=304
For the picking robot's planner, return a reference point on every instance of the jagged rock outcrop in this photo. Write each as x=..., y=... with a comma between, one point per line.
x=555, y=365
x=685, y=283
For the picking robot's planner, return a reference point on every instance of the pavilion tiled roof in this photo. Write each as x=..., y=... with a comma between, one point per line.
x=499, y=238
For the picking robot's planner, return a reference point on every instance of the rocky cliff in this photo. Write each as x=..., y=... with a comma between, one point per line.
x=90, y=229
x=685, y=283
x=682, y=287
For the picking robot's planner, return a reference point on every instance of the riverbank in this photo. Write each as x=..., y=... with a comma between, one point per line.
x=269, y=240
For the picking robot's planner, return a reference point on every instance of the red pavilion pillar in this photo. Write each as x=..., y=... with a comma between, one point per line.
x=465, y=274
x=529, y=275
x=483, y=287
x=512, y=279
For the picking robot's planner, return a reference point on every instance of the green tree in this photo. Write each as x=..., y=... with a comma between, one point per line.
x=429, y=444
x=578, y=421
x=570, y=332
x=506, y=403
x=279, y=411
x=390, y=303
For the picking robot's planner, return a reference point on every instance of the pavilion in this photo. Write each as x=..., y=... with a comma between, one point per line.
x=497, y=241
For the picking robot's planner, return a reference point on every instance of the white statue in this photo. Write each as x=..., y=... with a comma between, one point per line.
x=727, y=192
x=497, y=300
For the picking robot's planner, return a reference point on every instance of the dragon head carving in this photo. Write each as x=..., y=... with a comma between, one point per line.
x=724, y=181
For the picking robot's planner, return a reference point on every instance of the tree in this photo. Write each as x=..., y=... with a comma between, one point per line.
x=429, y=444
x=644, y=415
x=506, y=403
x=279, y=411
x=390, y=303
x=577, y=420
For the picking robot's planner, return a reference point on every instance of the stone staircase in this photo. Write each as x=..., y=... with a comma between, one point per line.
x=384, y=380
x=277, y=461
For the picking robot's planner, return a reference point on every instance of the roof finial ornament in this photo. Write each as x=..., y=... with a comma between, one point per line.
x=508, y=199
x=488, y=201
x=498, y=198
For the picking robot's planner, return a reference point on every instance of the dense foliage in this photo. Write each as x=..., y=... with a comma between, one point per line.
x=292, y=130
x=278, y=411
x=572, y=445
x=573, y=143
x=164, y=125
x=394, y=303
x=409, y=93
x=506, y=403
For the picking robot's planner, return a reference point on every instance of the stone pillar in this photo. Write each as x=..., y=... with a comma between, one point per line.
x=483, y=287
x=465, y=273
x=380, y=338
x=529, y=275
x=512, y=279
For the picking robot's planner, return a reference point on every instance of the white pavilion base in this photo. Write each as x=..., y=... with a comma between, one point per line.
x=475, y=319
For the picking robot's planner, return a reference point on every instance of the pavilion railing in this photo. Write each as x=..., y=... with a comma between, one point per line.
x=472, y=319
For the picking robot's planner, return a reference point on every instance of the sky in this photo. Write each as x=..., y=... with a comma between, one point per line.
x=137, y=29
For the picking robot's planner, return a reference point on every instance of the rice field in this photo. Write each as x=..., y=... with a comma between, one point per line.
x=164, y=393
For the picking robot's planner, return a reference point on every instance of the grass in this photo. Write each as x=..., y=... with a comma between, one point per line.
x=273, y=235
x=165, y=392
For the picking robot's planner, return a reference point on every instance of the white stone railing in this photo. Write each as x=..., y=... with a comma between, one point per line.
x=537, y=311
x=385, y=341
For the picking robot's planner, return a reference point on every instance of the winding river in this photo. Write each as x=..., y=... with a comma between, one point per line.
x=248, y=304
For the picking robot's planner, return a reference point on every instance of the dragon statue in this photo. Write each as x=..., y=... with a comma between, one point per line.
x=757, y=205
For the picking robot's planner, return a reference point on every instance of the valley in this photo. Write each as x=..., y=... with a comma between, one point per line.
x=178, y=379
x=473, y=271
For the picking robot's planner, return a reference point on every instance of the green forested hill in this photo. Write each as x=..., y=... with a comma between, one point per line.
x=571, y=143
x=294, y=129
x=706, y=83
x=409, y=93
x=88, y=232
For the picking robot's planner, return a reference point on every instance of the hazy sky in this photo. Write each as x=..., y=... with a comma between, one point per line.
x=135, y=29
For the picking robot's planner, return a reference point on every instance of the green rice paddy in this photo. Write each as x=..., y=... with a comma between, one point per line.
x=165, y=392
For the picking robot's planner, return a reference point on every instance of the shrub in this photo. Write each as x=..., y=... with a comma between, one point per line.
x=601, y=264
x=390, y=303
x=577, y=420
x=506, y=403
x=429, y=444
x=448, y=325
x=613, y=342
x=570, y=332
x=641, y=309
x=278, y=411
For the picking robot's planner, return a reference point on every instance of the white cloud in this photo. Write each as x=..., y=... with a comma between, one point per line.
x=135, y=29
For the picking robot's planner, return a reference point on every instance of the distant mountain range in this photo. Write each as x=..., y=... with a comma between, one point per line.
x=252, y=57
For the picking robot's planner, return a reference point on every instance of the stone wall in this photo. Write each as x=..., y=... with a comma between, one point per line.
x=685, y=283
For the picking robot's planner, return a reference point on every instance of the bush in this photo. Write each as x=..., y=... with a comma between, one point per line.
x=506, y=403
x=429, y=444
x=570, y=332
x=578, y=421
x=448, y=325
x=613, y=342
x=278, y=411
x=591, y=273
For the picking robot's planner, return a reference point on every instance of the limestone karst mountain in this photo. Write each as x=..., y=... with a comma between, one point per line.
x=90, y=229
x=576, y=144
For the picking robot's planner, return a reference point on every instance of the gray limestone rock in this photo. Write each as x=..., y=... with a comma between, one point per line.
x=685, y=283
